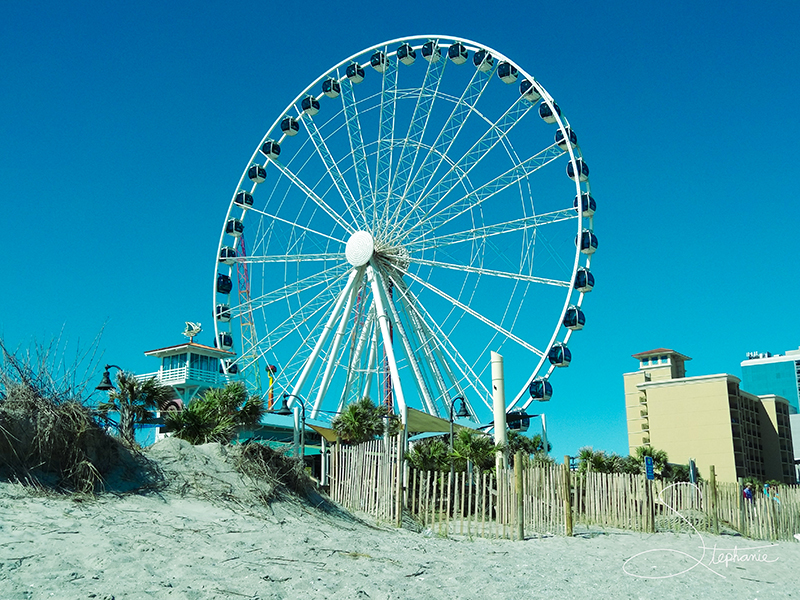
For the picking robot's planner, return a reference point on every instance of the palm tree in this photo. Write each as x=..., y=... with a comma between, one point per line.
x=134, y=399
x=363, y=421
x=216, y=414
x=474, y=447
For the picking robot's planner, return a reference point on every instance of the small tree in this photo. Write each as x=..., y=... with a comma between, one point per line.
x=133, y=400
x=430, y=454
x=216, y=414
x=475, y=447
x=363, y=421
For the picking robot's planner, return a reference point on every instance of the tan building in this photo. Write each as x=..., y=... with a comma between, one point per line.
x=707, y=418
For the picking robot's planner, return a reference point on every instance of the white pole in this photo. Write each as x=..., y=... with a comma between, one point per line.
x=544, y=435
x=499, y=403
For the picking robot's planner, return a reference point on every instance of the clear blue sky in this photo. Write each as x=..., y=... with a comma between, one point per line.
x=125, y=127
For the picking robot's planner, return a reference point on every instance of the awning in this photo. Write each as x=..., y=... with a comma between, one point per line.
x=326, y=432
x=419, y=422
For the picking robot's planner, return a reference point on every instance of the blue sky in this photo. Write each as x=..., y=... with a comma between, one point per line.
x=125, y=127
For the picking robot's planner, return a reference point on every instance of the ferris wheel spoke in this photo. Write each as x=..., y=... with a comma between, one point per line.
x=383, y=167
x=332, y=169
x=357, y=148
x=299, y=183
x=481, y=233
x=496, y=133
x=452, y=127
x=491, y=272
x=473, y=313
x=289, y=258
x=294, y=224
x=486, y=191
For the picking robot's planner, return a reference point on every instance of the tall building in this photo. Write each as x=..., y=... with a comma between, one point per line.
x=707, y=418
x=763, y=373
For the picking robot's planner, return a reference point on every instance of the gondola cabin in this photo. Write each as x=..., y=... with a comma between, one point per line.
x=378, y=61
x=588, y=205
x=290, y=126
x=331, y=88
x=257, y=173
x=222, y=312
x=227, y=255
x=559, y=355
x=528, y=91
x=584, y=280
x=234, y=227
x=579, y=167
x=570, y=141
x=518, y=420
x=588, y=242
x=458, y=53
x=540, y=390
x=406, y=54
x=483, y=61
x=310, y=105
x=224, y=340
x=574, y=318
x=507, y=72
x=243, y=199
x=229, y=367
x=355, y=72
x=431, y=51
x=271, y=149
x=548, y=114
x=224, y=284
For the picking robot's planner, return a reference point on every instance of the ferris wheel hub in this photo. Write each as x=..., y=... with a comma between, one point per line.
x=359, y=248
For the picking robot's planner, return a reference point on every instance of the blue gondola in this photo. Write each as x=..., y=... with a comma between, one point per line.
x=243, y=199
x=588, y=242
x=540, y=390
x=518, y=420
x=582, y=169
x=290, y=126
x=406, y=54
x=257, y=173
x=559, y=355
x=528, y=91
x=378, y=61
x=547, y=113
x=234, y=227
x=227, y=255
x=222, y=312
x=562, y=142
x=271, y=149
x=224, y=284
x=229, y=367
x=507, y=72
x=588, y=205
x=310, y=105
x=574, y=318
x=458, y=53
x=483, y=60
x=431, y=51
x=584, y=280
x=224, y=340
x=331, y=87
x=355, y=72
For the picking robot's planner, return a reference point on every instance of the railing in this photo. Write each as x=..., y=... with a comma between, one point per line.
x=184, y=374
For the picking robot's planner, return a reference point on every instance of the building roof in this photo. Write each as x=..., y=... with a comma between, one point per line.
x=658, y=352
x=190, y=346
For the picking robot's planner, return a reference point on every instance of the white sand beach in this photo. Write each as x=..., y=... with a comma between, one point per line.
x=206, y=535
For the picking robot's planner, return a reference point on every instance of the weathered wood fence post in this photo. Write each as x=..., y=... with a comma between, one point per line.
x=567, y=499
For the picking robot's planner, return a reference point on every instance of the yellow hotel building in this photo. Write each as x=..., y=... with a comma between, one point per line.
x=707, y=418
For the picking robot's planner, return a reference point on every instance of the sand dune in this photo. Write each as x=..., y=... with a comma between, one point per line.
x=207, y=534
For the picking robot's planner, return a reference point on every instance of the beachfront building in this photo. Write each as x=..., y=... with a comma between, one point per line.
x=764, y=373
x=708, y=418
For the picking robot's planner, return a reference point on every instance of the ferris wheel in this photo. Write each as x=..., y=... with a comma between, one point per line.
x=420, y=204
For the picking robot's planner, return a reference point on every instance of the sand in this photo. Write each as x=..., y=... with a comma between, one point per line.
x=207, y=535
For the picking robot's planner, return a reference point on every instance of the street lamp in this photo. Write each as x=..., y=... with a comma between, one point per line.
x=462, y=412
x=285, y=411
x=105, y=382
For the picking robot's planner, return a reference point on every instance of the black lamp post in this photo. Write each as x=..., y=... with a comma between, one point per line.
x=286, y=411
x=105, y=382
x=462, y=412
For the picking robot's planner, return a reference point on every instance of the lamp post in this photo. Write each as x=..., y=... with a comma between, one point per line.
x=285, y=410
x=105, y=382
x=462, y=412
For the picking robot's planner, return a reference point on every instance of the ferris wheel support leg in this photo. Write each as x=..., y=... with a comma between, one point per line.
x=355, y=358
x=499, y=398
x=372, y=365
x=298, y=386
x=383, y=320
x=332, y=355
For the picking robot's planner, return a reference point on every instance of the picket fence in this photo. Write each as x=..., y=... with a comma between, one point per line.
x=374, y=479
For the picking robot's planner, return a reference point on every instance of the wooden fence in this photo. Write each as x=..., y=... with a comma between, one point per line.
x=374, y=479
